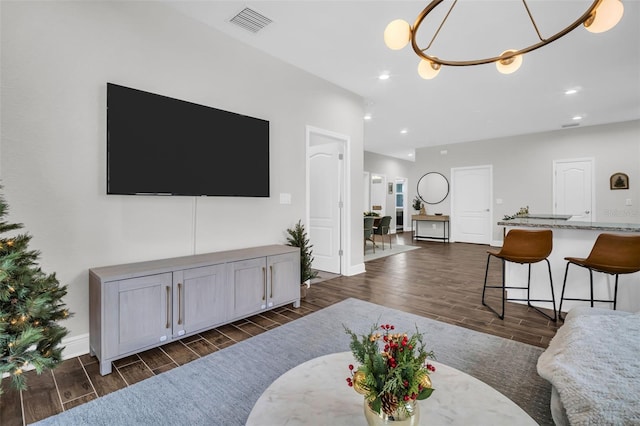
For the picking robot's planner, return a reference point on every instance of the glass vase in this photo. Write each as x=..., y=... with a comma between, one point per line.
x=407, y=414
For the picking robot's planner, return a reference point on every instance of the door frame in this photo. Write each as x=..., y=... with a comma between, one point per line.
x=453, y=195
x=345, y=226
x=366, y=179
x=383, y=210
x=406, y=217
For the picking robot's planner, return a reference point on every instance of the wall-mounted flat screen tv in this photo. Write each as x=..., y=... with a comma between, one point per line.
x=157, y=145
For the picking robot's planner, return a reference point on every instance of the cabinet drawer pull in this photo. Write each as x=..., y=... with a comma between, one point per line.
x=264, y=283
x=179, y=303
x=168, y=306
x=271, y=272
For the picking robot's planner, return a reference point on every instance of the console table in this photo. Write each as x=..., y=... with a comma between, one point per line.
x=417, y=218
x=316, y=393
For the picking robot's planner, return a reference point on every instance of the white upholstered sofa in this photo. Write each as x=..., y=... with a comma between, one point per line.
x=593, y=365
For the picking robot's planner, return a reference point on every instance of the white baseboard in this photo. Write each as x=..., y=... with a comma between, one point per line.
x=75, y=346
x=355, y=270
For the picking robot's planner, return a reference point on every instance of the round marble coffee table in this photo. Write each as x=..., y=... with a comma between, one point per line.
x=316, y=393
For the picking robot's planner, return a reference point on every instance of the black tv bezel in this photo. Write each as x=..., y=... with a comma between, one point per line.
x=265, y=192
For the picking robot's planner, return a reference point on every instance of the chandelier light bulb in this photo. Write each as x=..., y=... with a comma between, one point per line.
x=397, y=34
x=510, y=65
x=606, y=16
x=428, y=69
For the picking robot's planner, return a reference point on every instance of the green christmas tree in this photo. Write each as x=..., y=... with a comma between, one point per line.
x=30, y=306
x=298, y=238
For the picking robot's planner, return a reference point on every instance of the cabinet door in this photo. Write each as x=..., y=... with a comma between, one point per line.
x=200, y=299
x=138, y=313
x=284, y=278
x=248, y=279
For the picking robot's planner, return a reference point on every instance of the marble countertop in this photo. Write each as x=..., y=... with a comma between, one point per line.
x=561, y=223
x=316, y=393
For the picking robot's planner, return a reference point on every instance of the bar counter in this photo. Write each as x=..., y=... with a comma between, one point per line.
x=560, y=223
x=572, y=239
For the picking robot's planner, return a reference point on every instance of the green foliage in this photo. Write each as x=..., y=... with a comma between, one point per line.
x=298, y=238
x=416, y=203
x=523, y=212
x=372, y=213
x=392, y=364
x=30, y=306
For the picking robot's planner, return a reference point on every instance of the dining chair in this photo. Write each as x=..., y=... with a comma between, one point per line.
x=383, y=229
x=368, y=232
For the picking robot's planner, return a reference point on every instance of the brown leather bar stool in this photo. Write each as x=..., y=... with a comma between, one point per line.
x=612, y=254
x=524, y=247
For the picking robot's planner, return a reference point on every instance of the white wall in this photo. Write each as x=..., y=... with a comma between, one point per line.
x=523, y=168
x=56, y=60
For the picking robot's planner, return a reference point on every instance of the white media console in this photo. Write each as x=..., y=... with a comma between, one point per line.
x=138, y=306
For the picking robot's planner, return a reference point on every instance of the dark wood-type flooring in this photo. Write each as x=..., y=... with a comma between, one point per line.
x=438, y=281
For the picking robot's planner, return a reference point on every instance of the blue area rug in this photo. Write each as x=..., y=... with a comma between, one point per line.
x=221, y=388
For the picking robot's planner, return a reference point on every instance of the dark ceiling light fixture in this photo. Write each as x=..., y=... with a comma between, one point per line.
x=601, y=16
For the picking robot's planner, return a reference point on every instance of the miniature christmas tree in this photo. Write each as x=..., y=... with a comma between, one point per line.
x=30, y=306
x=298, y=238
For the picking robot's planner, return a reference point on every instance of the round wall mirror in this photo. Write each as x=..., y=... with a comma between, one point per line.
x=433, y=188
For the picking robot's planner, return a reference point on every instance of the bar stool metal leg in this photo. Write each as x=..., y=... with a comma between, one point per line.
x=592, y=299
x=484, y=288
x=553, y=298
x=504, y=287
x=564, y=285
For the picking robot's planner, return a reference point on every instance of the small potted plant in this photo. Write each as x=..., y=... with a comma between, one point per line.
x=418, y=205
x=297, y=237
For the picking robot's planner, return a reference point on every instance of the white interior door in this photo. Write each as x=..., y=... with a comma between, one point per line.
x=471, y=204
x=573, y=189
x=326, y=177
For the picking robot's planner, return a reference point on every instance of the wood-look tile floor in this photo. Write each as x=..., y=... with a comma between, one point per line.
x=438, y=281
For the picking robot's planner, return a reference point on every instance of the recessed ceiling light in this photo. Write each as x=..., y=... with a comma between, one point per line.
x=410, y=154
x=404, y=131
x=577, y=117
x=367, y=117
x=384, y=76
x=571, y=91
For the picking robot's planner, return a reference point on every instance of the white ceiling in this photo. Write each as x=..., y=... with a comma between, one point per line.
x=342, y=42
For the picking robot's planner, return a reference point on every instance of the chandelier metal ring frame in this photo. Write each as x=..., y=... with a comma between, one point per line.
x=601, y=16
x=505, y=56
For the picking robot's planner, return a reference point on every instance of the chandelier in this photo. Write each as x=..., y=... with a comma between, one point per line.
x=601, y=16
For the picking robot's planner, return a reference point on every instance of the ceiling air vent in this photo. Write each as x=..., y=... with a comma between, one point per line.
x=250, y=20
x=564, y=126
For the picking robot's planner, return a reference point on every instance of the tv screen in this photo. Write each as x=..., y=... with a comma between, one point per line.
x=158, y=145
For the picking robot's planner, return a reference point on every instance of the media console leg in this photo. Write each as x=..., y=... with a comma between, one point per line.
x=105, y=368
